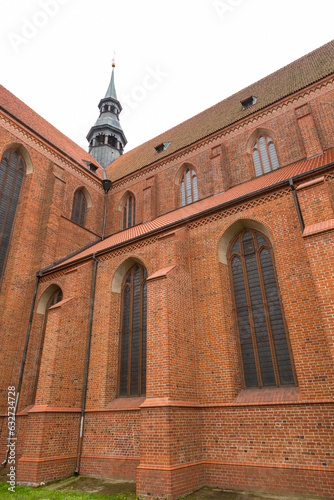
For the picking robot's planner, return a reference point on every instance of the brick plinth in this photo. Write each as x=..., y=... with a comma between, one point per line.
x=299, y=480
x=169, y=482
x=104, y=466
x=50, y=448
x=32, y=472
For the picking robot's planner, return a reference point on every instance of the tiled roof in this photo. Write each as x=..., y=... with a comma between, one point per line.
x=292, y=78
x=22, y=112
x=233, y=194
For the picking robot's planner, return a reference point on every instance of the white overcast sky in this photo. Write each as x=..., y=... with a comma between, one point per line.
x=173, y=58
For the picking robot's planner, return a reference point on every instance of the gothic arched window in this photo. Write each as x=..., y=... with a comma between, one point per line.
x=129, y=212
x=259, y=317
x=12, y=168
x=264, y=155
x=79, y=208
x=132, y=363
x=188, y=187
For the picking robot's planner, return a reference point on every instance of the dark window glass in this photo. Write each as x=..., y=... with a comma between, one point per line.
x=129, y=212
x=12, y=170
x=188, y=187
x=132, y=373
x=56, y=297
x=264, y=155
x=264, y=347
x=79, y=208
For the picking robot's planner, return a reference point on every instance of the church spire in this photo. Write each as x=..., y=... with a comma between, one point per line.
x=106, y=138
x=111, y=92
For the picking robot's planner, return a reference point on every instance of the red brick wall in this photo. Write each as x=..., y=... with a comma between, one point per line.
x=196, y=426
x=227, y=160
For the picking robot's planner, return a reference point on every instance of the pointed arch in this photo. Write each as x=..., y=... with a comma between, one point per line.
x=186, y=179
x=12, y=172
x=19, y=148
x=116, y=285
x=132, y=348
x=233, y=230
x=46, y=296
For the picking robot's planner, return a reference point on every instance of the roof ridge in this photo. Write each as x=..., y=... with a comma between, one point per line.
x=293, y=77
x=22, y=112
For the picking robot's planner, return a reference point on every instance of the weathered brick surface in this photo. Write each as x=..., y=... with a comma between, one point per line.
x=196, y=425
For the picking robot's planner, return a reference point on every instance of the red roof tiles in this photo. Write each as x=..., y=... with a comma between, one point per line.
x=292, y=78
x=195, y=209
x=28, y=117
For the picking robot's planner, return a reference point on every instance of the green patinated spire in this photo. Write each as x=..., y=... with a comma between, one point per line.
x=111, y=92
x=106, y=138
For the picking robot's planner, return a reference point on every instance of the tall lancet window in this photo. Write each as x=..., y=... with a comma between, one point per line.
x=12, y=169
x=129, y=212
x=79, y=208
x=264, y=155
x=188, y=187
x=132, y=362
x=259, y=317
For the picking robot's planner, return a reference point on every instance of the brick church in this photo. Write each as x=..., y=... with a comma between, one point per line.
x=167, y=314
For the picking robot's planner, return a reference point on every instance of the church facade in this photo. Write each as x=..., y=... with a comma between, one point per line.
x=167, y=314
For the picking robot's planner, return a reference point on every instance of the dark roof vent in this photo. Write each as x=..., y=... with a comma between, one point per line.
x=162, y=147
x=90, y=166
x=247, y=103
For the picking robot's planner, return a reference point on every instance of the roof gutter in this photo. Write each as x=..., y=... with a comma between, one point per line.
x=192, y=217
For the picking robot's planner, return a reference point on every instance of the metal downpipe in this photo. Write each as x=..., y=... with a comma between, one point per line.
x=106, y=183
x=4, y=463
x=77, y=468
x=300, y=216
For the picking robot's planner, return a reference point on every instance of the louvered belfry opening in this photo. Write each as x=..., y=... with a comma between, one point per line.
x=12, y=169
x=132, y=359
x=79, y=208
x=259, y=317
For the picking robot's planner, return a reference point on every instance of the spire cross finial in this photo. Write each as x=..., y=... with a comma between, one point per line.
x=113, y=60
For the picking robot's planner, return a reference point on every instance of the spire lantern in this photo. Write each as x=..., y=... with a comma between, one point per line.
x=106, y=138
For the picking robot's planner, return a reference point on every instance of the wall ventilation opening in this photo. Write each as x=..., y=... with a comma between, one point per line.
x=247, y=103
x=162, y=147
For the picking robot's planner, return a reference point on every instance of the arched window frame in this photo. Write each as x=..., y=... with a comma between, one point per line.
x=133, y=321
x=188, y=186
x=11, y=180
x=264, y=155
x=79, y=207
x=269, y=315
x=129, y=212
